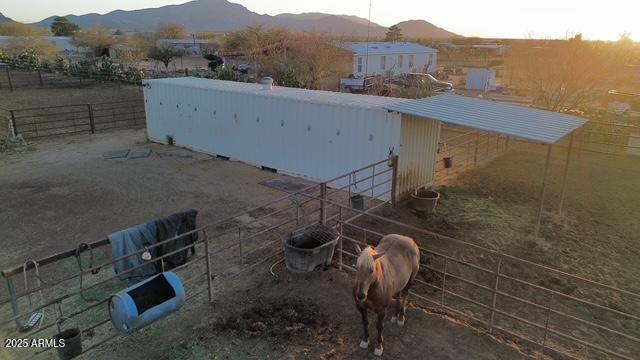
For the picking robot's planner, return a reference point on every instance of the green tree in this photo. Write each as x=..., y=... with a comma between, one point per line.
x=61, y=26
x=215, y=61
x=164, y=54
x=394, y=34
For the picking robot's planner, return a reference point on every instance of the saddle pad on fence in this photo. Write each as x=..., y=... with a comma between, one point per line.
x=116, y=154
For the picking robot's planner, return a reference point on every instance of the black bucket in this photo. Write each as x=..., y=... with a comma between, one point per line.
x=72, y=343
x=448, y=162
x=357, y=202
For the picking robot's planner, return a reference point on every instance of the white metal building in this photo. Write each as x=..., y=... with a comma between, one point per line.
x=391, y=58
x=314, y=134
x=481, y=79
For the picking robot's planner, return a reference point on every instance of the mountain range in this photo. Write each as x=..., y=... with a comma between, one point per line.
x=4, y=19
x=224, y=16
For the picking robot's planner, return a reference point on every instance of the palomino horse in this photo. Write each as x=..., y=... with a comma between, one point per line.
x=385, y=274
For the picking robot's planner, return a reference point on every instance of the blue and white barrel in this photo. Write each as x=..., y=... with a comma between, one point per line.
x=146, y=302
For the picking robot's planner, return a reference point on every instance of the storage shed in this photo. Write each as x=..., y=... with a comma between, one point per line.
x=481, y=79
x=314, y=134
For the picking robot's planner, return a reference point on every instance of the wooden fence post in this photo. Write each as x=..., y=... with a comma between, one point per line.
x=9, y=79
x=40, y=77
x=13, y=123
x=91, y=122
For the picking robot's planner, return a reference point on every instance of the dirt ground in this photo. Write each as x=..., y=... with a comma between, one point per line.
x=298, y=316
x=61, y=192
x=40, y=97
x=596, y=236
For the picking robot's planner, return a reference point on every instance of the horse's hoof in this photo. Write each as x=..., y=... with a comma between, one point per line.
x=393, y=319
x=377, y=352
x=364, y=344
x=400, y=323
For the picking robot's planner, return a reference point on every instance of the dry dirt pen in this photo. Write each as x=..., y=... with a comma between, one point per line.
x=35, y=113
x=499, y=294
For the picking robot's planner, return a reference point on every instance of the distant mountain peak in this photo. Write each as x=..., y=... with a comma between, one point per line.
x=223, y=16
x=414, y=29
x=4, y=19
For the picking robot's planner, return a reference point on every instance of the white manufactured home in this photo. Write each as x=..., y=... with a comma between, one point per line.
x=391, y=58
x=314, y=134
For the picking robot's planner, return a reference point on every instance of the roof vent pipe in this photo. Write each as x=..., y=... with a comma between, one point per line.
x=267, y=83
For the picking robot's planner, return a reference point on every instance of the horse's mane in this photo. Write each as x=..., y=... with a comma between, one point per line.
x=365, y=260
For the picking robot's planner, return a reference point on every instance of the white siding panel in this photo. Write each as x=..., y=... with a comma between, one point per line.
x=225, y=123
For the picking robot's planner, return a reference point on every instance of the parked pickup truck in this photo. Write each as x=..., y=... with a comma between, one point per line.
x=357, y=84
x=420, y=80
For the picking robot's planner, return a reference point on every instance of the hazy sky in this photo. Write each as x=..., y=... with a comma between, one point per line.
x=488, y=18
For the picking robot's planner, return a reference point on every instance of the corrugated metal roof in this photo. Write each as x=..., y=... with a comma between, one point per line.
x=313, y=96
x=513, y=120
x=385, y=48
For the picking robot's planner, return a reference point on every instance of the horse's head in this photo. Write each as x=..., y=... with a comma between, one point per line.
x=365, y=272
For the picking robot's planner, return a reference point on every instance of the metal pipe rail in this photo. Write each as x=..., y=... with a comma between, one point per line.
x=494, y=310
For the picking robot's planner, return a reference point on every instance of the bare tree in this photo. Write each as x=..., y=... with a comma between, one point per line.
x=561, y=74
x=19, y=29
x=98, y=40
x=171, y=31
x=320, y=58
x=38, y=46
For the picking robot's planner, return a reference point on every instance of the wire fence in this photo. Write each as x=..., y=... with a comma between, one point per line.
x=499, y=294
x=15, y=78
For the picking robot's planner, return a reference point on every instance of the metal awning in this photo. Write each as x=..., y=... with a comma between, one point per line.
x=513, y=120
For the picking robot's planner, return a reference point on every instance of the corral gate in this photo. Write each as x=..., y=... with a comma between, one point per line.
x=487, y=289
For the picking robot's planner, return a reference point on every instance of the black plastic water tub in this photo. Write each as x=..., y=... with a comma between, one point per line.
x=310, y=249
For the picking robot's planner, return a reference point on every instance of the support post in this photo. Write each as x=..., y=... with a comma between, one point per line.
x=240, y=246
x=323, y=203
x=40, y=77
x=475, y=154
x=494, y=297
x=546, y=325
x=13, y=123
x=340, y=246
x=444, y=281
x=394, y=180
x=14, y=301
x=9, y=79
x=206, y=251
x=565, y=174
x=543, y=191
x=91, y=121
